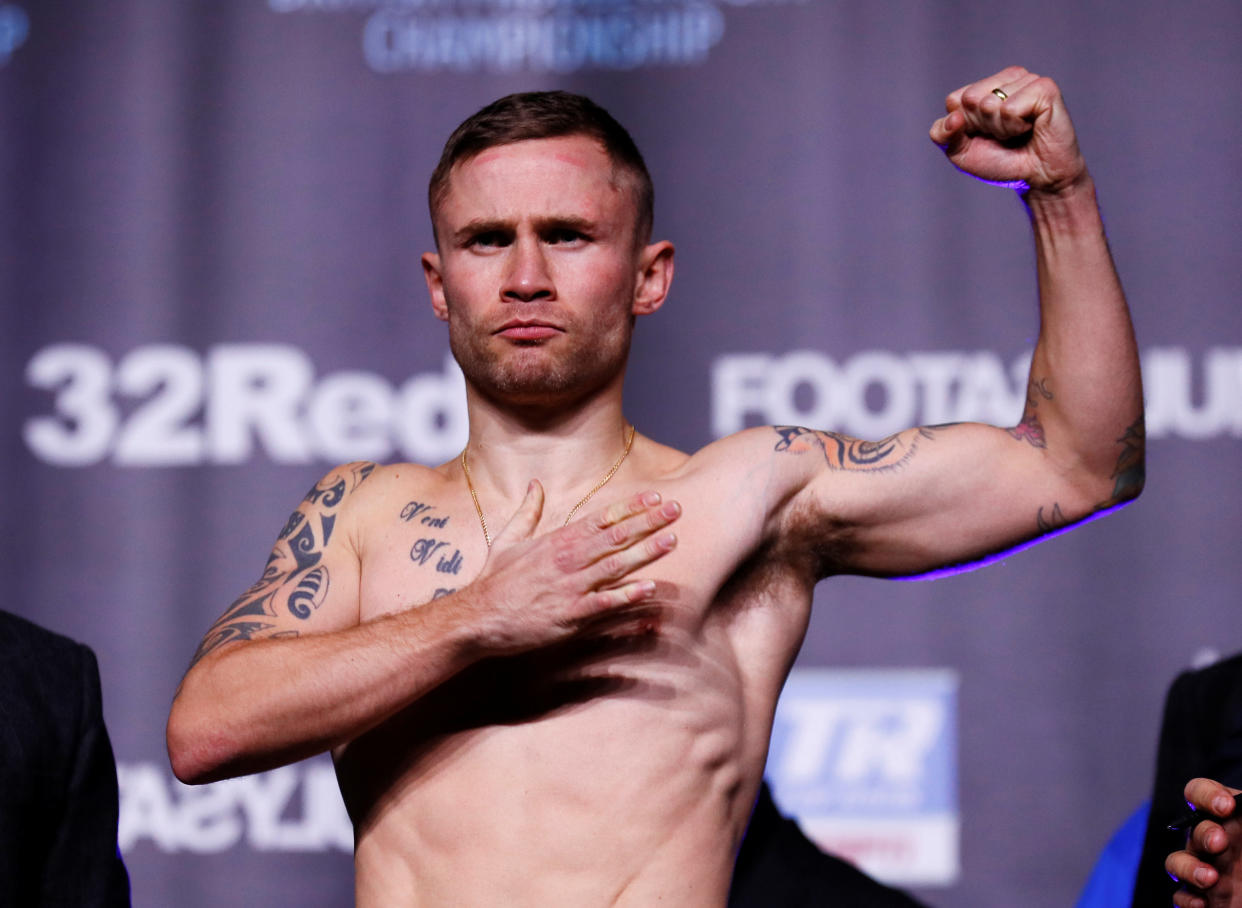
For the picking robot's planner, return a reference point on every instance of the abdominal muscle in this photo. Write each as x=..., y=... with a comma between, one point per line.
x=637, y=796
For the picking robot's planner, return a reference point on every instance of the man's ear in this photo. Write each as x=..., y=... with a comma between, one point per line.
x=655, y=275
x=435, y=285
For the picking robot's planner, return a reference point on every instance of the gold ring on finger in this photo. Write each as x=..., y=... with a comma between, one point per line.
x=1000, y=93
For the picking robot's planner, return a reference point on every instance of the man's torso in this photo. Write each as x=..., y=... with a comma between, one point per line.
x=603, y=771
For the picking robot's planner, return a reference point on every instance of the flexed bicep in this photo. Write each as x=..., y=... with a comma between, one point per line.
x=933, y=496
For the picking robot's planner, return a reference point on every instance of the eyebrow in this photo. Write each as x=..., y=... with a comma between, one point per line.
x=498, y=225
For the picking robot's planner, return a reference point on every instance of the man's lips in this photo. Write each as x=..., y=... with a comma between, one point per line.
x=527, y=330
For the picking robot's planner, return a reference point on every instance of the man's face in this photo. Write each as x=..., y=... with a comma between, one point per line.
x=539, y=272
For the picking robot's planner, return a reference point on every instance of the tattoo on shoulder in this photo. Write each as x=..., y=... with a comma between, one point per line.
x=293, y=573
x=332, y=488
x=843, y=452
x=1030, y=429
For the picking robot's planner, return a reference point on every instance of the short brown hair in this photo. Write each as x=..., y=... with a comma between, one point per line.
x=546, y=115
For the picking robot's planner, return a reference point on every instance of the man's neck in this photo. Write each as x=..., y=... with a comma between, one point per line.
x=569, y=450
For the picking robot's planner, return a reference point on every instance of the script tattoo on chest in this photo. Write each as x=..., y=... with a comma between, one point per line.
x=427, y=548
x=423, y=550
x=417, y=510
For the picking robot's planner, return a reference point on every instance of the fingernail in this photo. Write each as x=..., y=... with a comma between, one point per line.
x=1203, y=877
x=672, y=509
x=650, y=498
x=1222, y=805
x=668, y=540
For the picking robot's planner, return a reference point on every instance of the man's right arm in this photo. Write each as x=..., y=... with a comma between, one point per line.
x=289, y=670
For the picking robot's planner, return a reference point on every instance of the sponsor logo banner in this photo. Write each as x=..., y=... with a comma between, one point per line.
x=162, y=405
x=875, y=393
x=866, y=760
x=557, y=36
x=295, y=808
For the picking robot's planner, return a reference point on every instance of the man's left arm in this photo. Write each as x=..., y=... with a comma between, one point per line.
x=933, y=496
x=1084, y=392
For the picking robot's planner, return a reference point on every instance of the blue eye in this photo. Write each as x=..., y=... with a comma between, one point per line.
x=490, y=238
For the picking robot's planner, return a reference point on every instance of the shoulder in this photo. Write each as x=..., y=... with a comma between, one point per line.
x=45, y=677
x=778, y=459
x=761, y=469
x=739, y=450
x=357, y=488
x=33, y=648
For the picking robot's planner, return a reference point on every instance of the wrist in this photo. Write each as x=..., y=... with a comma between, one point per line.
x=1071, y=208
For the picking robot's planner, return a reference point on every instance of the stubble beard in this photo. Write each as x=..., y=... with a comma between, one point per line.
x=527, y=374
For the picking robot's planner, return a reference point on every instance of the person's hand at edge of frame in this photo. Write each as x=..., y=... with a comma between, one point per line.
x=1209, y=867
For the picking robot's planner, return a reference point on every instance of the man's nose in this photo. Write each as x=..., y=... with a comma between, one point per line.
x=527, y=277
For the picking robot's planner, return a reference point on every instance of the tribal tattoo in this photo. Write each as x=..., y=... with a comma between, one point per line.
x=842, y=452
x=294, y=573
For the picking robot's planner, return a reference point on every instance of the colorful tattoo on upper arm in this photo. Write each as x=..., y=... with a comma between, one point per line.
x=1029, y=429
x=293, y=566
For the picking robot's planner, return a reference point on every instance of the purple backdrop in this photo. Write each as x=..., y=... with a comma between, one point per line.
x=211, y=214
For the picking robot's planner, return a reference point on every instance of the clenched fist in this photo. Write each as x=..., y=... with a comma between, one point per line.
x=1012, y=129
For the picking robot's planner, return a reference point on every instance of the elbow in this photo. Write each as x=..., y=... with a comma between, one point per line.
x=1129, y=472
x=1103, y=493
x=196, y=752
x=1109, y=479
x=185, y=754
x=1126, y=481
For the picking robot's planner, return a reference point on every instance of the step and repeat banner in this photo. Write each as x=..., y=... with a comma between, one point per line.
x=210, y=221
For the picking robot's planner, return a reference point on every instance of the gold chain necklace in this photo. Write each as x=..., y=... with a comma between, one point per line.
x=583, y=500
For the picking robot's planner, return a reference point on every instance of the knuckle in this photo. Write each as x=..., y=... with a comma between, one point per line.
x=564, y=555
x=616, y=535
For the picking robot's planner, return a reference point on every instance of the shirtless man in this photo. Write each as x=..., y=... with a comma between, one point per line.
x=528, y=706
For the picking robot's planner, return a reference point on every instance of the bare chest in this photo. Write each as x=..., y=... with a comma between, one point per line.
x=426, y=544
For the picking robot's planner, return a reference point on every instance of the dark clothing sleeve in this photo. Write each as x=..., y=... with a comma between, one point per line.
x=779, y=867
x=1200, y=735
x=83, y=865
x=58, y=786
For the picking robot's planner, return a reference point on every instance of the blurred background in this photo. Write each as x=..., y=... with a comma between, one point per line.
x=210, y=221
